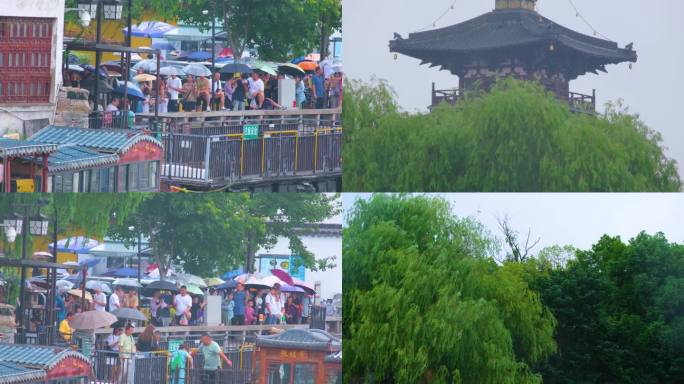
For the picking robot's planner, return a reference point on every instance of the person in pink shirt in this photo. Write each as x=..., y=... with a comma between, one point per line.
x=249, y=312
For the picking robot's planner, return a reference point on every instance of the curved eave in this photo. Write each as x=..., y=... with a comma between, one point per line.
x=72, y=165
x=505, y=29
x=23, y=377
x=135, y=140
x=29, y=150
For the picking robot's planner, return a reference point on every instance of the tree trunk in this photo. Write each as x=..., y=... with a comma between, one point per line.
x=325, y=38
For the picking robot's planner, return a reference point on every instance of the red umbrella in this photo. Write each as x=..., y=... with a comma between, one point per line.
x=282, y=275
x=226, y=52
x=308, y=288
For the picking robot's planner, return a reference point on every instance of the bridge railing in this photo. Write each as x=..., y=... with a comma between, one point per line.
x=277, y=151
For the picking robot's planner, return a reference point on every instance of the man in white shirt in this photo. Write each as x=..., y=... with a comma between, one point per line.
x=173, y=85
x=99, y=299
x=113, y=105
x=256, y=91
x=217, y=91
x=115, y=299
x=274, y=305
x=182, y=302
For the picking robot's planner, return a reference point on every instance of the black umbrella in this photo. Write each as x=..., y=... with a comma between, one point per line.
x=236, y=68
x=162, y=285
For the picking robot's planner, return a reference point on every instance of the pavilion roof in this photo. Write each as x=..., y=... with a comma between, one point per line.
x=504, y=30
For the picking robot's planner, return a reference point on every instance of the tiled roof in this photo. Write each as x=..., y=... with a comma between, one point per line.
x=309, y=339
x=107, y=140
x=33, y=356
x=14, y=374
x=70, y=157
x=10, y=147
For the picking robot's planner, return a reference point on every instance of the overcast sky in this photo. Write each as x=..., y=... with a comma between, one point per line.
x=574, y=218
x=654, y=88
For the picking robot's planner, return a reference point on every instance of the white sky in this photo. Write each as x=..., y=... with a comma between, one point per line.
x=576, y=219
x=653, y=88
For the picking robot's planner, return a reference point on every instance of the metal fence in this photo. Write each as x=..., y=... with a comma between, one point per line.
x=125, y=368
x=234, y=157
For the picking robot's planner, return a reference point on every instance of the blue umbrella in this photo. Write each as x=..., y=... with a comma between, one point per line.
x=230, y=284
x=125, y=272
x=230, y=275
x=132, y=93
x=150, y=29
x=199, y=55
x=91, y=69
x=163, y=45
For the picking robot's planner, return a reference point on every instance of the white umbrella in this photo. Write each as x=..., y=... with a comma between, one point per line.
x=168, y=71
x=147, y=65
x=196, y=70
x=126, y=283
x=64, y=285
x=94, y=284
x=188, y=278
x=76, y=68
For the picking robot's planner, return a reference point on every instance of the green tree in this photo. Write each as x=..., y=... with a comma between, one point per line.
x=620, y=312
x=212, y=233
x=277, y=28
x=516, y=137
x=425, y=303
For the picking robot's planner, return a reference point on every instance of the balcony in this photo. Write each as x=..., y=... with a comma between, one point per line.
x=578, y=102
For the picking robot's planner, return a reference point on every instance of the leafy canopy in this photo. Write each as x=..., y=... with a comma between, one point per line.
x=516, y=137
x=620, y=312
x=425, y=303
x=211, y=233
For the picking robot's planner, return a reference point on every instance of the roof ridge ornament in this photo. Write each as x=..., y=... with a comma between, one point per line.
x=516, y=4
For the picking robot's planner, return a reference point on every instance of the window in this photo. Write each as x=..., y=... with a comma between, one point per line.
x=279, y=373
x=63, y=182
x=25, y=58
x=333, y=376
x=305, y=373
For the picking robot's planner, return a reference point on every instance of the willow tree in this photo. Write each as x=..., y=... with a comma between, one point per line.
x=517, y=137
x=425, y=303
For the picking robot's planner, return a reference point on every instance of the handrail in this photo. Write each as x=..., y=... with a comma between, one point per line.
x=211, y=328
x=247, y=113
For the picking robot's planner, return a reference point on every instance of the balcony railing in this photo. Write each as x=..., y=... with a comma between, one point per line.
x=578, y=102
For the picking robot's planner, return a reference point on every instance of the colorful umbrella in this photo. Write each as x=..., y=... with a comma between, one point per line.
x=308, y=288
x=133, y=92
x=307, y=65
x=145, y=77
x=264, y=67
x=282, y=275
x=193, y=289
x=199, y=55
x=79, y=293
x=213, y=281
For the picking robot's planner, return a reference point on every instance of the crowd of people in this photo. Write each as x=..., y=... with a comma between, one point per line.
x=239, y=92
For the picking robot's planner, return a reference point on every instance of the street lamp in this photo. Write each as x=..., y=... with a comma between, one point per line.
x=39, y=225
x=213, y=44
x=113, y=9
x=13, y=221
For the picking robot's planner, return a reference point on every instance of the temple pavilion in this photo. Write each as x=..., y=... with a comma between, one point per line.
x=513, y=40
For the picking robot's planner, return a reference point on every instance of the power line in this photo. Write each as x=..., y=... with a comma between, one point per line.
x=581, y=17
x=434, y=23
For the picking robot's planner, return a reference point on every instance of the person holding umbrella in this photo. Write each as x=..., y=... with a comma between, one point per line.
x=202, y=88
x=173, y=86
x=99, y=299
x=240, y=93
x=189, y=94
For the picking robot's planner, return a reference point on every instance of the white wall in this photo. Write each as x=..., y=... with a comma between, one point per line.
x=331, y=279
x=11, y=116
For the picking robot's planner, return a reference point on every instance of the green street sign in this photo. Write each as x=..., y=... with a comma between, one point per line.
x=250, y=132
x=174, y=344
